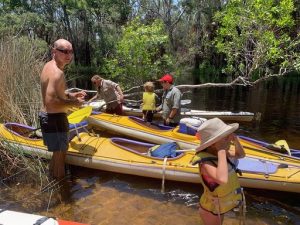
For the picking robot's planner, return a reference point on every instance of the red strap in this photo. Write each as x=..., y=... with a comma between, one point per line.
x=65, y=222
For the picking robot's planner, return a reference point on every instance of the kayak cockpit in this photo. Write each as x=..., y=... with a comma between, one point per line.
x=154, y=126
x=167, y=150
x=23, y=130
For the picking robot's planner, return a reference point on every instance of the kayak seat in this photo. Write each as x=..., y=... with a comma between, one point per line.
x=75, y=129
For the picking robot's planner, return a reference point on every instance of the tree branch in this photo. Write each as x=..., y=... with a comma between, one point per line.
x=238, y=81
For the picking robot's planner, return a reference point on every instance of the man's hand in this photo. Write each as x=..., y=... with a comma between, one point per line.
x=167, y=121
x=121, y=98
x=80, y=94
x=80, y=101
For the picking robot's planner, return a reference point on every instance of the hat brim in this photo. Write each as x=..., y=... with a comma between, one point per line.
x=230, y=129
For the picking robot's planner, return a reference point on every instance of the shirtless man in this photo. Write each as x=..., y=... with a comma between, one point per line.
x=53, y=115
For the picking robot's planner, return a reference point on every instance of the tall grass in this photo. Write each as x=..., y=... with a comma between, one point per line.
x=21, y=61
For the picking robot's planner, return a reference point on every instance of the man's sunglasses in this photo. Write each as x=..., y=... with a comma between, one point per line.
x=65, y=51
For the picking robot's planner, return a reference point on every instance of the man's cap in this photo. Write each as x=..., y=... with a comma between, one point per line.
x=167, y=78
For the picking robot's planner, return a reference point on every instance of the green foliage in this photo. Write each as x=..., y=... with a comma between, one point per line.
x=23, y=23
x=141, y=53
x=75, y=72
x=208, y=73
x=254, y=35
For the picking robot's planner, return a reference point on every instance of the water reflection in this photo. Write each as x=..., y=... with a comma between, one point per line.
x=277, y=99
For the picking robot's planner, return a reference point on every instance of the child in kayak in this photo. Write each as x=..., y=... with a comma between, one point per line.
x=149, y=102
x=222, y=191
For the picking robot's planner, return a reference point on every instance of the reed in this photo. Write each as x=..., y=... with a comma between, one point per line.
x=21, y=61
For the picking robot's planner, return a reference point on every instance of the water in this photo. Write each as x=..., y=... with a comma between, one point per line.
x=99, y=197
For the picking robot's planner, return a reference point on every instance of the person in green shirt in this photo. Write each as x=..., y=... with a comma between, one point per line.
x=171, y=99
x=111, y=92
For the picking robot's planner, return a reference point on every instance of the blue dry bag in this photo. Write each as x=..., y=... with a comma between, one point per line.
x=164, y=150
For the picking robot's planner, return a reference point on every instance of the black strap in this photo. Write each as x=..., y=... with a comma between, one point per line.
x=214, y=159
x=234, y=167
x=207, y=159
x=41, y=220
x=2, y=210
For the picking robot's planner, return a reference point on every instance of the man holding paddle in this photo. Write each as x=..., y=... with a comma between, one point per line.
x=56, y=101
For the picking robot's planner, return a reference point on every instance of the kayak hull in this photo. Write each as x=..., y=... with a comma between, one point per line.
x=8, y=217
x=132, y=157
x=136, y=128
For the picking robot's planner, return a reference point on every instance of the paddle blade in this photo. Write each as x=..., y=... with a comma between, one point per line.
x=80, y=115
x=283, y=145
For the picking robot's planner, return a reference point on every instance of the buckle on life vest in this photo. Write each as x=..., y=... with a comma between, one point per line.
x=238, y=190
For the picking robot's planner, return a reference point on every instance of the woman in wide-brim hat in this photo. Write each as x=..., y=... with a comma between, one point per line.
x=222, y=191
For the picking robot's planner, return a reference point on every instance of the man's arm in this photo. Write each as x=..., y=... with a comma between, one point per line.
x=96, y=96
x=172, y=113
x=63, y=98
x=176, y=105
x=119, y=90
x=115, y=87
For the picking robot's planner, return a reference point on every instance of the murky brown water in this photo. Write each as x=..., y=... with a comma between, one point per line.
x=98, y=197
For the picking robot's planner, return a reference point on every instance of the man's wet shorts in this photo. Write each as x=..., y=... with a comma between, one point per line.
x=55, y=130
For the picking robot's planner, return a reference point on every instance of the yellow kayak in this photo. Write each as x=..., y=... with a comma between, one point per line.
x=133, y=157
x=136, y=128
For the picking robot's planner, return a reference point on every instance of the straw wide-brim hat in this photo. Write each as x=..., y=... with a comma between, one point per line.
x=213, y=130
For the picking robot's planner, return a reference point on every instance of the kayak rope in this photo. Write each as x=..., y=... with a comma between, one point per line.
x=164, y=173
x=219, y=210
x=243, y=209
